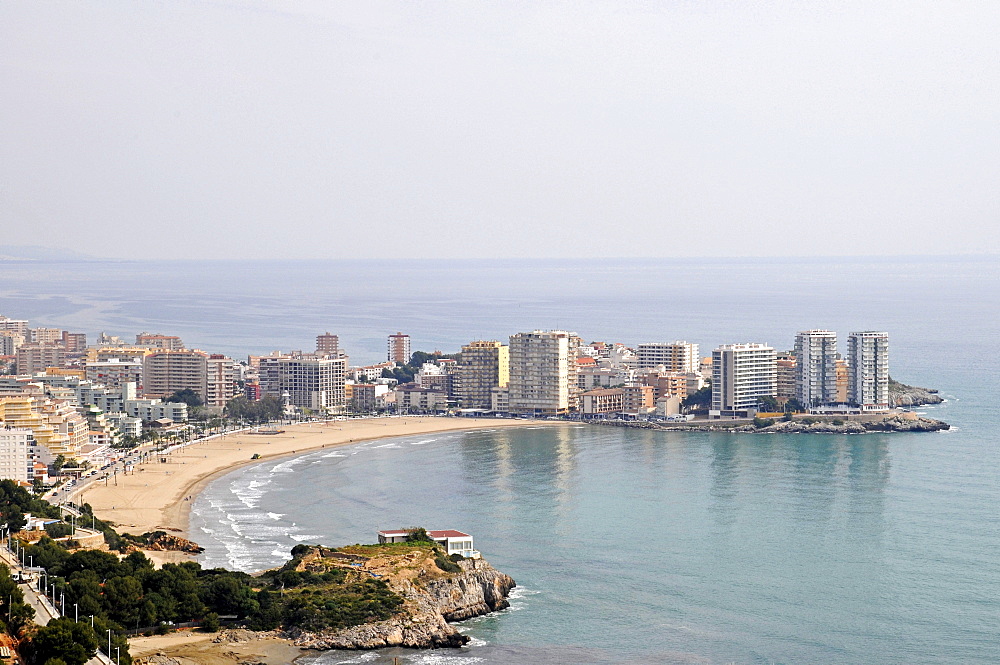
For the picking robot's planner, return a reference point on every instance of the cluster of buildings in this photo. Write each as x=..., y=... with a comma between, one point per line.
x=62, y=399
x=65, y=397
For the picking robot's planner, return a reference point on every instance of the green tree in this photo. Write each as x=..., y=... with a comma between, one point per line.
x=701, y=399
x=794, y=405
x=73, y=642
x=768, y=403
x=210, y=624
x=123, y=596
x=187, y=395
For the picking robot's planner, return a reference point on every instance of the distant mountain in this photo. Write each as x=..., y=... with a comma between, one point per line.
x=38, y=253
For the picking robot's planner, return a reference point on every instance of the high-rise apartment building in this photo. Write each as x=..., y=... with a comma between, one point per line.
x=165, y=372
x=151, y=341
x=485, y=365
x=313, y=383
x=868, y=370
x=741, y=375
x=33, y=358
x=676, y=357
x=10, y=341
x=18, y=326
x=46, y=336
x=543, y=372
x=786, y=377
x=74, y=342
x=815, y=367
x=114, y=372
x=328, y=345
x=399, y=348
x=16, y=458
x=220, y=385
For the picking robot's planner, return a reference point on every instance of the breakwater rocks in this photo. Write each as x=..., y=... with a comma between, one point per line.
x=432, y=597
x=901, y=422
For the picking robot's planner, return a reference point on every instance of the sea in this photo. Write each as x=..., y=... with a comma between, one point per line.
x=628, y=546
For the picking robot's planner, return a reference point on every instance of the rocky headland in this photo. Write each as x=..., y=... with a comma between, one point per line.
x=906, y=396
x=432, y=596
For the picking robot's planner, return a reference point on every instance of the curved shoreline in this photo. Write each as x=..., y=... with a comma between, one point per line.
x=157, y=495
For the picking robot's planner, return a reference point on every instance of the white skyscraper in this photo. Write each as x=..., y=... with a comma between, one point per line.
x=868, y=370
x=741, y=375
x=815, y=367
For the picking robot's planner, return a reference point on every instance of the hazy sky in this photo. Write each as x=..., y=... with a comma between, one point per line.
x=214, y=128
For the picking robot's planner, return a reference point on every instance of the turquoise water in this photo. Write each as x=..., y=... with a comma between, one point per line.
x=632, y=546
x=628, y=546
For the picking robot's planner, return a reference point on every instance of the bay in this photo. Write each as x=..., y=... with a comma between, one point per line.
x=628, y=546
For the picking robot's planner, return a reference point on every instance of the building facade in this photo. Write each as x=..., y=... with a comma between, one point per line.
x=34, y=358
x=676, y=357
x=165, y=372
x=167, y=342
x=815, y=367
x=220, y=385
x=328, y=344
x=543, y=373
x=868, y=370
x=113, y=373
x=741, y=375
x=16, y=458
x=485, y=365
x=313, y=383
x=399, y=348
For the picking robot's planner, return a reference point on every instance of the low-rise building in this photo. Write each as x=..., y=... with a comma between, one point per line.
x=453, y=542
x=413, y=398
x=602, y=402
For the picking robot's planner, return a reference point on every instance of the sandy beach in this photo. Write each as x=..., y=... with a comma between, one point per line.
x=157, y=495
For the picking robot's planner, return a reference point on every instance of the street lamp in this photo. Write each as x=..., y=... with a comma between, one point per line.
x=109, y=643
x=76, y=613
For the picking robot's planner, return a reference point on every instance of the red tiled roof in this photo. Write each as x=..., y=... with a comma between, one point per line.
x=450, y=533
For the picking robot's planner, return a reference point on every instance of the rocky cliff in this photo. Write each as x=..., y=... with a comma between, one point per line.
x=433, y=597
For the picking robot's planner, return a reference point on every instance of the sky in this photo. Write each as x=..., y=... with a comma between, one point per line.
x=320, y=129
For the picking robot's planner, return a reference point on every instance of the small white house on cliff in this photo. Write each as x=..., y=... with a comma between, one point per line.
x=453, y=542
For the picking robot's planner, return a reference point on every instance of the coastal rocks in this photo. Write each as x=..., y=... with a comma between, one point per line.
x=897, y=422
x=430, y=604
x=906, y=396
x=160, y=541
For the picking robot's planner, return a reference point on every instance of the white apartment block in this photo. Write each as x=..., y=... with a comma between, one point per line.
x=741, y=374
x=543, y=372
x=148, y=410
x=677, y=357
x=868, y=370
x=313, y=383
x=815, y=367
x=16, y=454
